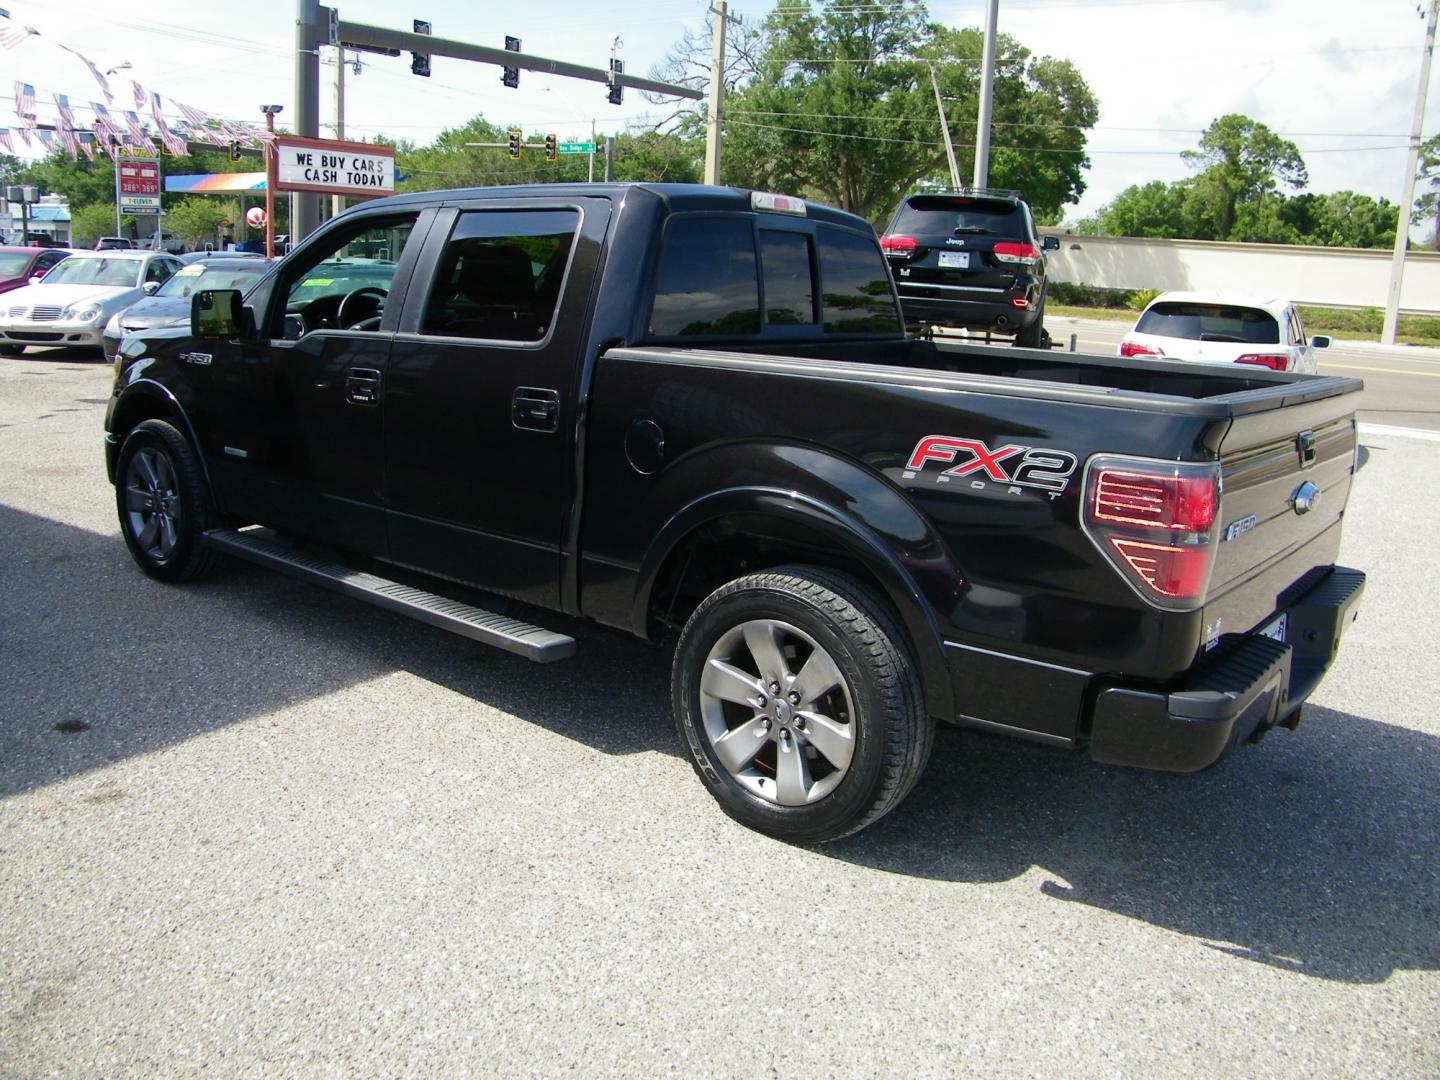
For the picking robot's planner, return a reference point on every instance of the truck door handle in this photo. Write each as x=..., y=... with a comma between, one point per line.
x=535, y=408
x=362, y=386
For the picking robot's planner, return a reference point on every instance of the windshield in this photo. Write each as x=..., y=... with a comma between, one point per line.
x=88, y=270
x=212, y=276
x=1210, y=322
x=13, y=263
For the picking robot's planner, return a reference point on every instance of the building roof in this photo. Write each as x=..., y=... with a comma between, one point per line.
x=42, y=213
x=215, y=183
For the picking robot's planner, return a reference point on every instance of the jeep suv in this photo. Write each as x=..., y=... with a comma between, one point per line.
x=969, y=258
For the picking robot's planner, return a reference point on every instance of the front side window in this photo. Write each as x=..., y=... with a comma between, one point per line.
x=858, y=296
x=344, y=285
x=707, y=282
x=501, y=274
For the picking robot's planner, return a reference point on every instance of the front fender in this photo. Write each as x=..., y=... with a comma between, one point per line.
x=840, y=501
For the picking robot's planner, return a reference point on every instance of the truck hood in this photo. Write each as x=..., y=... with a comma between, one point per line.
x=156, y=311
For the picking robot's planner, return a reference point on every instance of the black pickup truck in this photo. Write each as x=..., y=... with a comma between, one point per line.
x=694, y=411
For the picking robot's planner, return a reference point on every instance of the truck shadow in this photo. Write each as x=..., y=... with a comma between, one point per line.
x=1315, y=853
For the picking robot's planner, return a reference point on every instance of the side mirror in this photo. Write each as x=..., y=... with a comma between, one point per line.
x=1320, y=341
x=149, y=287
x=216, y=313
x=1050, y=243
x=35, y=279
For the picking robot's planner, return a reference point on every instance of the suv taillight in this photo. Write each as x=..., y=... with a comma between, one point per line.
x=1006, y=251
x=1134, y=348
x=1274, y=361
x=1154, y=521
x=897, y=245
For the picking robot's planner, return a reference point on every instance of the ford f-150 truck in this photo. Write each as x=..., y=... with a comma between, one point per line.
x=692, y=412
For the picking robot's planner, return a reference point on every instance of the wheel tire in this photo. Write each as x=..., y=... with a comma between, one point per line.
x=1032, y=336
x=11, y=350
x=801, y=774
x=163, y=503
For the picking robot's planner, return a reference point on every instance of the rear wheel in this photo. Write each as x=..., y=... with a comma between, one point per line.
x=797, y=697
x=164, y=503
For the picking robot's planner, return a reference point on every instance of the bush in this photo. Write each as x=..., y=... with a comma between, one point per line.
x=1139, y=299
x=1063, y=292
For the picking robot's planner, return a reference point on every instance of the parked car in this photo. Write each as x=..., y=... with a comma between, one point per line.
x=1224, y=328
x=19, y=264
x=164, y=241
x=969, y=258
x=853, y=533
x=201, y=256
x=73, y=302
x=169, y=305
x=114, y=243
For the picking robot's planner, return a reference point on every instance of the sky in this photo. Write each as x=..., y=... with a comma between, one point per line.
x=1336, y=77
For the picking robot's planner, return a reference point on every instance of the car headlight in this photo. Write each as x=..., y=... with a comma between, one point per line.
x=82, y=313
x=112, y=327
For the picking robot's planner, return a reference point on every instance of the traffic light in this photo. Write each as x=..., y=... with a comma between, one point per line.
x=420, y=62
x=235, y=151
x=514, y=146
x=617, y=92
x=511, y=76
x=552, y=147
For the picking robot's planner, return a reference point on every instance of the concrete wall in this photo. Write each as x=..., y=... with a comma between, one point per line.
x=1332, y=277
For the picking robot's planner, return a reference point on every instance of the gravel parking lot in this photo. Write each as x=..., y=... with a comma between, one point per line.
x=252, y=828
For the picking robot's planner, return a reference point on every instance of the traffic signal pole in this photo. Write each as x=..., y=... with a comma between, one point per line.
x=311, y=30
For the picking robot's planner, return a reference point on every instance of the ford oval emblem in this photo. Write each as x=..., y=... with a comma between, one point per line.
x=1306, y=498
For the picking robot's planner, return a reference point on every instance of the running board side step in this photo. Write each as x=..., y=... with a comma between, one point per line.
x=477, y=624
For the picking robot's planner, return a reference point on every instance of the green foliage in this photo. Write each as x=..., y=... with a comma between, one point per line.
x=195, y=220
x=1139, y=299
x=836, y=102
x=1240, y=161
x=89, y=223
x=1427, y=203
x=1090, y=296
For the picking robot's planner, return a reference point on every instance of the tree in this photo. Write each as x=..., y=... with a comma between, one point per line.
x=1156, y=209
x=194, y=220
x=835, y=101
x=1241, y=161
x=89, y=223
x=1342, y=219
x=1427, y=204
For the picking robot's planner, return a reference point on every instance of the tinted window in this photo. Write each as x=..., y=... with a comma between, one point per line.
x=707, y=282
x=858, y=296
x=1210, y=322
x=947, y=214
x=789, y=289
x=501, y=274
x=220, y=274
x=13, y=264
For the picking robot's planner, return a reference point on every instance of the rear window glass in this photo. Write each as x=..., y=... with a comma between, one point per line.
x=858, y=296
x=707, y=282
x=948, y=214
x=789, y=287
x=1210, y=322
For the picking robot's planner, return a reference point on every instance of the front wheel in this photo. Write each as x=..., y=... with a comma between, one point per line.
x=796, y=695
x=164, y=504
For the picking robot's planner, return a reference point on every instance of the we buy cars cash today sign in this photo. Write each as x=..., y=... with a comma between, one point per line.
x=139, y=185
x=333, y=167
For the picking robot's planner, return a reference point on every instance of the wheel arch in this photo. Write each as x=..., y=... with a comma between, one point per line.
x=146, y=399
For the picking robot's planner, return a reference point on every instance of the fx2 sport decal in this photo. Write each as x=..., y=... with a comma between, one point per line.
x=1011, y=467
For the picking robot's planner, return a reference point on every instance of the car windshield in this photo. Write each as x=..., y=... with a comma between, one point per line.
x=339, y=277
x=222, y=274
x=88, y=270
x=13, y=263
x=1210, y=322
x=932, y=214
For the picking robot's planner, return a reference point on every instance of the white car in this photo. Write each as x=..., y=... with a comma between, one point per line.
x=1223, y=328
x=74, y=301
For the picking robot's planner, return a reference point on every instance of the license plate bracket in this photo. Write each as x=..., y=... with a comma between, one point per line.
x=955, y=260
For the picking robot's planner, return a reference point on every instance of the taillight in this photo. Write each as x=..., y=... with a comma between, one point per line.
x=1154, y=521
x=1274, y=361
x=897, y=245
x=1134, y=348
x=1028, y=254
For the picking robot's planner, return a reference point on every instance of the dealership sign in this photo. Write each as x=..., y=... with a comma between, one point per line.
x=333, y=167
x=139, y=185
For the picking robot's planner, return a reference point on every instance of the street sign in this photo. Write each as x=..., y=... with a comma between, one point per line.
x=577, y=148
x=139, y=184
x=334, y=167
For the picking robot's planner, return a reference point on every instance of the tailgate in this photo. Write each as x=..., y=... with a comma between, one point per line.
x=1285, y=476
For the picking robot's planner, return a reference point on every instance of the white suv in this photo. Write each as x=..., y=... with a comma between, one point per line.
x=1223, y=328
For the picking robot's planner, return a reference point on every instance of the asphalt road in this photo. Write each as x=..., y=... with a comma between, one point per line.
x=251, y=828
x=1402, y=382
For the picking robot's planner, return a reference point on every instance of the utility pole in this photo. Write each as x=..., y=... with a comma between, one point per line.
x=987, y=91
x=1407, y=194
x=310, y=31
x=337, y=202
x=271, y=176
x=609, y=158
x=718, y=13
x=945, y=130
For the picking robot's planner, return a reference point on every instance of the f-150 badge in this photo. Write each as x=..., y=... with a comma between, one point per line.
x=1011, y=466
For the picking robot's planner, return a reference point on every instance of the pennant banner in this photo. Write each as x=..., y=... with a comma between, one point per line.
x=5, y=141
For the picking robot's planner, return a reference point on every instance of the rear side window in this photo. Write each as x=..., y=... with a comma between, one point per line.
x=1210, y=322
x=707, y=282
x=947, y=215
x=501, y=273
x=858, y=296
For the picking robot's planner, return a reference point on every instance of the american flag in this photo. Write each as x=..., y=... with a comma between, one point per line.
x=87, y=145
x=105, y=131
x=67, y=123
x=12, y=34
x=24, y=101
x=5, y=141
x=138, y=136
x=140, y=94
x=157, y=112
x=99, y=78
